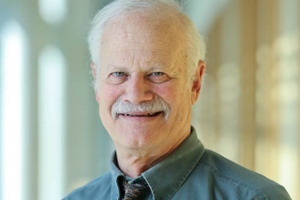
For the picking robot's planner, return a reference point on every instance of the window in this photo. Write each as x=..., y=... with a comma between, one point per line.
x=51, y=123
x=13, y=65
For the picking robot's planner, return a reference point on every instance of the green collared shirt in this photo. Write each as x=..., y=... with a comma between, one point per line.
x=190, y=172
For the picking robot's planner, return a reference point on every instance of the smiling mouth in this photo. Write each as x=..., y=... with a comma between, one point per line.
x=139, y=115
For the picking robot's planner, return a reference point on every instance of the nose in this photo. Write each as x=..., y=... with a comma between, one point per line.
x=137, y=89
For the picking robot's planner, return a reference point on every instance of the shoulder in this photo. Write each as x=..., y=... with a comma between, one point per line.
x=92, y=190
x=227, y=175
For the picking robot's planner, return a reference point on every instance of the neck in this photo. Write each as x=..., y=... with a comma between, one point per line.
x=133, y=162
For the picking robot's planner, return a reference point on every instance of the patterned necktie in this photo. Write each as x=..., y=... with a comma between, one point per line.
x=134, y=191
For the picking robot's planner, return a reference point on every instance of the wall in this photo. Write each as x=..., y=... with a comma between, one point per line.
x=249, y=109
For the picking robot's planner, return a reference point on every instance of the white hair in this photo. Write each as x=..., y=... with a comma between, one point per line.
x=160, y=9
x=154, y=106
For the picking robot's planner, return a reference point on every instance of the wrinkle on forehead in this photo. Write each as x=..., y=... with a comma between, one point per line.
x=139, y=35
x=140, y=59
x=137, y=24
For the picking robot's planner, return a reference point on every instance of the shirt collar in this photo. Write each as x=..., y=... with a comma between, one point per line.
x=116, y=175
x=166, y=177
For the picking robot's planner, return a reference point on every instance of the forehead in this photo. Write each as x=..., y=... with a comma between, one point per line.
x=142, y=35
x=140, y=29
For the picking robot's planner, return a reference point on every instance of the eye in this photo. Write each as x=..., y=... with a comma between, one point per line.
x=158, y=73
x=118, y=74
x=117, y=77
x=158, y=77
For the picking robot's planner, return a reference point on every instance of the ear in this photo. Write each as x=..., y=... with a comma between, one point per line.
x=196, y=86
x=93, y=68
x=94, y=72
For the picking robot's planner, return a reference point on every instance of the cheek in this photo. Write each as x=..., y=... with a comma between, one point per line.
x=107, y=96
x=178, y=97
x=165, y=93
x=171, y=92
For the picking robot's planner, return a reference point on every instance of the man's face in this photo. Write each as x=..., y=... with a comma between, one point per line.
x=141, y=61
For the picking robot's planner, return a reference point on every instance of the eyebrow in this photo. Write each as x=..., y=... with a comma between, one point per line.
x=114, y=67
x=158, y=65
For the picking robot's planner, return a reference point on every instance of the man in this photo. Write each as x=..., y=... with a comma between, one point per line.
x=148, y=64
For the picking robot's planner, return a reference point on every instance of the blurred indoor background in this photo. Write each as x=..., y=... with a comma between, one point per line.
x=51, y=138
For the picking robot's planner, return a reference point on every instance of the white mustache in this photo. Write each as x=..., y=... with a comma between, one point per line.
x=156, y=105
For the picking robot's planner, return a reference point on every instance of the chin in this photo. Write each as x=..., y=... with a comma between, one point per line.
x=136, y=138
